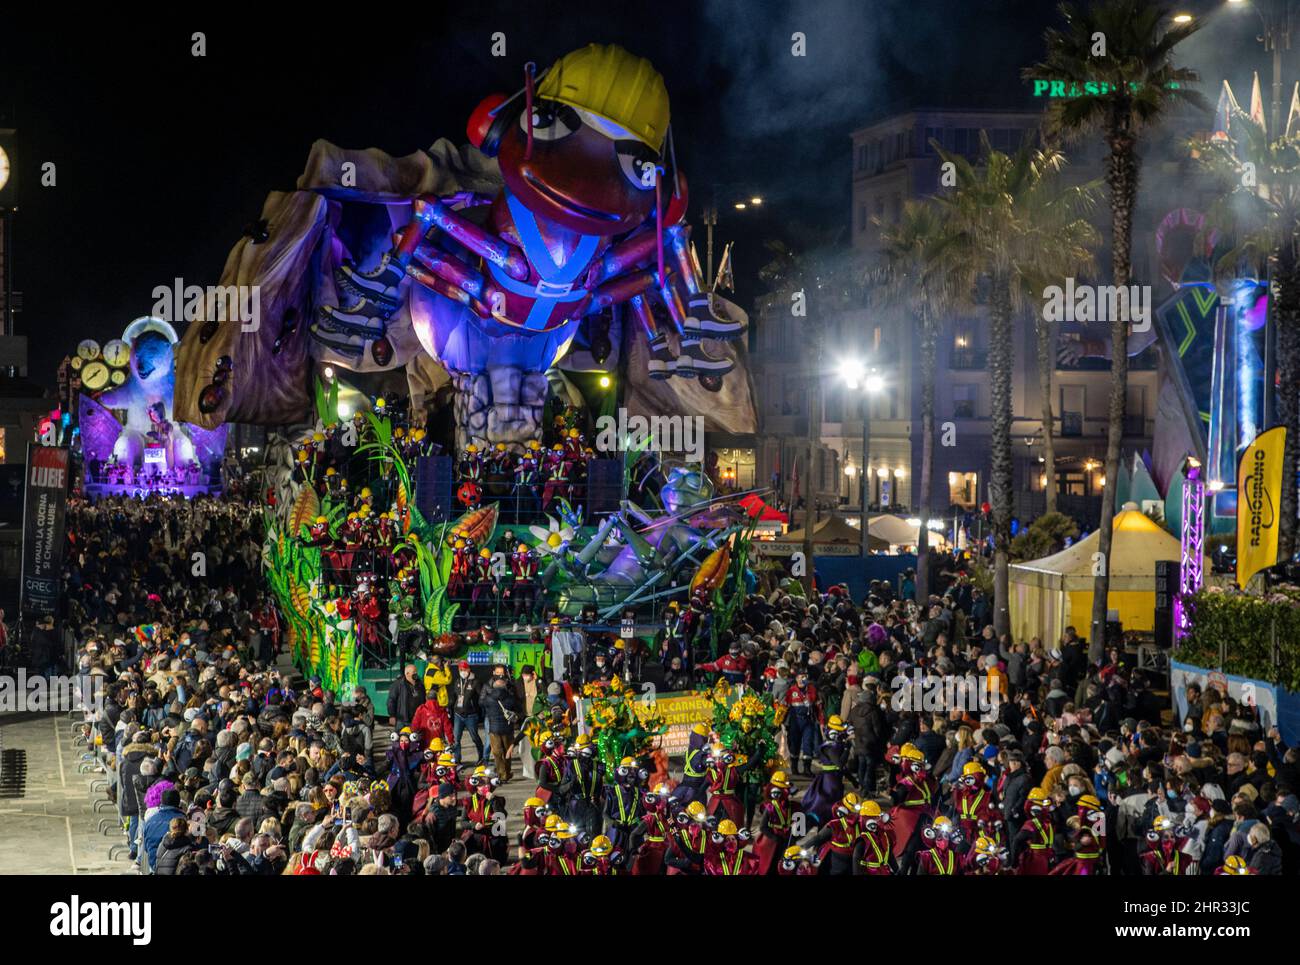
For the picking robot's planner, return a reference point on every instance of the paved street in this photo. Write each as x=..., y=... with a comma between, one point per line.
x=47, y=824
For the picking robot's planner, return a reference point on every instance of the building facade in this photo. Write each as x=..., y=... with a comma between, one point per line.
x=893, y=161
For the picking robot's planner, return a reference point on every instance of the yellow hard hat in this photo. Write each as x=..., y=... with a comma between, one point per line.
x=552, y=822
x=852, y=801
x=582, y=740
x=534, y=802
x=943, y=824
x=1090, y=802
x=972, y=769
x=869, y=809
x=321, y=519
x=793, y=853
x=1162, y=823
x=727, y=827
x=1038, y=794
x=446, y=759
x=437, y=745
x=701, y=730
x=986, y=845
x=779, y=779
x=471, y=448
x=835, y=723
x=696, y=810
x=485, y=553
x=627, y=762
x=602, y=846
x=910, y=752
x=565, y=831
x=481, y=771
x=1235, y=865
x=613, y=84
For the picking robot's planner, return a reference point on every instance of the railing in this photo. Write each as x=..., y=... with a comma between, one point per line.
x=963, y=359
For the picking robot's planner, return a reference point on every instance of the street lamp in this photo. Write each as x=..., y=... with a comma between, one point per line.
x=1276, y=17
x=710, y=219
x=855, y=375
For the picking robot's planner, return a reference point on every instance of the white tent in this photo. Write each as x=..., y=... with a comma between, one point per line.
x=1054, y=592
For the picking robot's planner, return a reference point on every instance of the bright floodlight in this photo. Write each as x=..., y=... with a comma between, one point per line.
x=740, y=205
x=1183, y=18
x=852, y=371
x=874, y=383
x=1216, y=485
x=755, y=201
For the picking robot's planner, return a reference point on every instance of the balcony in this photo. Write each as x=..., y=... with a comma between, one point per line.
x=1071, y=424
x=968, y=359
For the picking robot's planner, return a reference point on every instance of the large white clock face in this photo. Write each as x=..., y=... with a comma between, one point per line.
x=4, y=168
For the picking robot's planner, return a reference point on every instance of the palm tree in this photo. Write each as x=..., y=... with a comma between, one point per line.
x=915, y=275
x=1260, y=212
x=1135, y=85
x=1013, y=225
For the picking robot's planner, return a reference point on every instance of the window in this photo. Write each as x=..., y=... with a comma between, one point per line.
x=1073, y=400
x=962, y=487
x=965, y=401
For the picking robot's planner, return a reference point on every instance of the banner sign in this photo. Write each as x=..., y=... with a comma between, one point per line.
x=681, y=713
x=1259, y=488
x=44, y=502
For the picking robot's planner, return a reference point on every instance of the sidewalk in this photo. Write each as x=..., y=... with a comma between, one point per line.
x=47, y=825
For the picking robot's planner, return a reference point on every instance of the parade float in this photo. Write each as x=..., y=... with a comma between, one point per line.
x=131, y=442
x=520, y=285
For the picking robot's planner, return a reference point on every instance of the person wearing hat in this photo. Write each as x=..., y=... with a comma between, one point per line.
x=695, y=768
x=467, y=715
x=774, y=824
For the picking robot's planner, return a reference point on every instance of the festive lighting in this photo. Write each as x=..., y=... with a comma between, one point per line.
x=755, y=201
x=604, y=382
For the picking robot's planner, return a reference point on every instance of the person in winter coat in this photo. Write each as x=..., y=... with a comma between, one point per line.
x=869, y=736
x=223, y=818
x=130, y=780
x=405, y=697
x=159, y=824
x=176, y=843
x=501, y=714
x=1265, y=857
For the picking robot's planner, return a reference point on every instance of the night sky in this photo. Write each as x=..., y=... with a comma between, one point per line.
x=163, y=157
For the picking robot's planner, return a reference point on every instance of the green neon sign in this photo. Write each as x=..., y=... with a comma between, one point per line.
x=1091, y=88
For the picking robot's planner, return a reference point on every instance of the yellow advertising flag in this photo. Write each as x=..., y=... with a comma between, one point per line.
x=1259, y=488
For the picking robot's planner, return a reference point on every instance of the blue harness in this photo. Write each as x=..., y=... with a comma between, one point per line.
x=555, y=286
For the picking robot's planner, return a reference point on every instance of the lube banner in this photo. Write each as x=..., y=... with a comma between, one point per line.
x=1259, y=488
x=43, y=508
